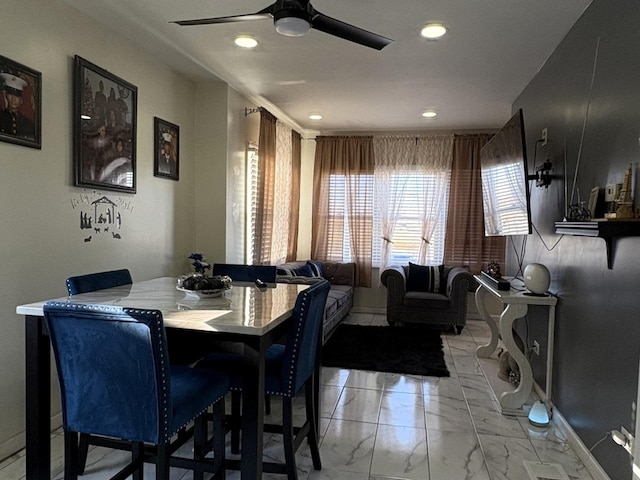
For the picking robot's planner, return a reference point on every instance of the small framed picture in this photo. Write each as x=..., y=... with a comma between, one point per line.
x=166, y=149
x=20, y=104
x=104, y=129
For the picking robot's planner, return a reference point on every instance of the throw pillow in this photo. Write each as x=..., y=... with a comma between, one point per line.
x=303, y=271
x=316, y=267
x=424, y=278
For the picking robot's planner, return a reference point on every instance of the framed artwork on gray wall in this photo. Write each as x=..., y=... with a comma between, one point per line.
x=104, y=129
x=166, y=137
x=20, y=104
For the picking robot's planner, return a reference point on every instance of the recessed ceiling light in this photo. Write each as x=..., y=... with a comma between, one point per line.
x=315, y=116
x=433, y=30
x=429, y=114
x=246, y=41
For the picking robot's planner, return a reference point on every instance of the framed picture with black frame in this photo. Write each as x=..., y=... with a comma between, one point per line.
x=166, y=143
x=104, y=129
x=20, y=104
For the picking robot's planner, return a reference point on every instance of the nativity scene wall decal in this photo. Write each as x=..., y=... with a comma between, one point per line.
x=101, y=217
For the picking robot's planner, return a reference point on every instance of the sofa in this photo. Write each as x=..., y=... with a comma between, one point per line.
x=341, y=276
x=442, y=304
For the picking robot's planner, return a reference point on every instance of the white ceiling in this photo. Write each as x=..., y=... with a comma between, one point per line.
x=471, y=76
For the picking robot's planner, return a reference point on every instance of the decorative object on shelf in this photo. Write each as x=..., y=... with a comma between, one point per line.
x=625, y=201
x=104, y=129
x=166, y=149
x=611, y=194
x=579, y=213
x=199, y=263
x=537, y=279
x=20, y=112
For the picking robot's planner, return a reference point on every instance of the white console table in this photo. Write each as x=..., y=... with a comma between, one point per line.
x=515, y=305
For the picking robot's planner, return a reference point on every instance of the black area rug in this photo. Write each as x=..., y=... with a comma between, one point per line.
x=408, y=350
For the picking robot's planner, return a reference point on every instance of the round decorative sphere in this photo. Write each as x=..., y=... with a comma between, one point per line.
x=537, y=278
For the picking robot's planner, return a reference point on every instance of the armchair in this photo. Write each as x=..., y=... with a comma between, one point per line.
x=446, y=307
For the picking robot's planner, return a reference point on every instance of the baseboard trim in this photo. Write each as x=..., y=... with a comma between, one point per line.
x=374, y=310
x=574, y=441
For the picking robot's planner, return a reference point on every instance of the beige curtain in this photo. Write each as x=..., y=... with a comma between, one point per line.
x=465, y=243
x=344, y=163
x=266, y=188
x=296, y=159
x=282, y=196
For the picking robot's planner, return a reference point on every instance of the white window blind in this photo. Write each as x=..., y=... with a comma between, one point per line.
x=339, y=245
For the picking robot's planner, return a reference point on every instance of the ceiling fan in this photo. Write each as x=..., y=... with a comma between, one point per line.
x=295, y=18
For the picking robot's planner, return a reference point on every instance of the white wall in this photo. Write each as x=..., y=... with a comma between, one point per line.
x=41, y=243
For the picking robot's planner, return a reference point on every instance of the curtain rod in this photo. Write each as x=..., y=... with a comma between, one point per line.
x=249, y=111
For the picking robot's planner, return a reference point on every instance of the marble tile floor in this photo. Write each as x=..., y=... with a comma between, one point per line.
x=377, y=426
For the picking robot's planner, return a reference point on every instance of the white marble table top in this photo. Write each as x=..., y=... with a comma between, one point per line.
x=242, y=309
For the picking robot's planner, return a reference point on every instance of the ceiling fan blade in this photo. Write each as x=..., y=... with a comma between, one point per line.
x=352, y=33
x=262, y=14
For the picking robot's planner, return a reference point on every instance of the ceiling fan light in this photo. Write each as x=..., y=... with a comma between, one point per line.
x=246, y=41
x=433, y=30
x=292, y=26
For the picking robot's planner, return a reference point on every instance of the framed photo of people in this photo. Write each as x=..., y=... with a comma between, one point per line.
x=104, y=129
x=20, y=104
x=166, y=149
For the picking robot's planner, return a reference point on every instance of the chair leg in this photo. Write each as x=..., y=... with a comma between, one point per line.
x=236, y=398
x=162, y=462
x=311, y=410
x=137, y=451
x=288, y=438
x=218, y=440
x=70, y=456
x=83, y=452
x=199, y=442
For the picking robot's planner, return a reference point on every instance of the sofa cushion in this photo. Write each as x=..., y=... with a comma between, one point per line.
x=427, y=299
x=424, y=278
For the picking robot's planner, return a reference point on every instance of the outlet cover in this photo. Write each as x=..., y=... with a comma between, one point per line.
x=545, y=471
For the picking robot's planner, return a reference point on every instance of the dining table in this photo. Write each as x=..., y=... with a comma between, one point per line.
x=249, y=316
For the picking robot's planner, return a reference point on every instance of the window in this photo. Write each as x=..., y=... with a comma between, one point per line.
x=413, y=192
x=343, y=225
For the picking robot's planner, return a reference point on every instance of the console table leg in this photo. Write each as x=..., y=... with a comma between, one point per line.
x=515, y=399
x=485, y=351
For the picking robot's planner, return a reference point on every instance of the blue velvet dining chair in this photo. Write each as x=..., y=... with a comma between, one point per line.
x=128, y=393
x=290, y=369
x=90, y=283
x=246, y=273
x=98, y=281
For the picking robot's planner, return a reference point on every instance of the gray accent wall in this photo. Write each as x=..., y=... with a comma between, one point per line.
x=598, y=315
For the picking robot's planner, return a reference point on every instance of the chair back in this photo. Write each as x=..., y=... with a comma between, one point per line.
x=303, y=341
x=113, y=370
x=98, y=281
x=246, y=273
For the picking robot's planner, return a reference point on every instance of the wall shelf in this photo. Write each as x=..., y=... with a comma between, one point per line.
x=606, y=229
